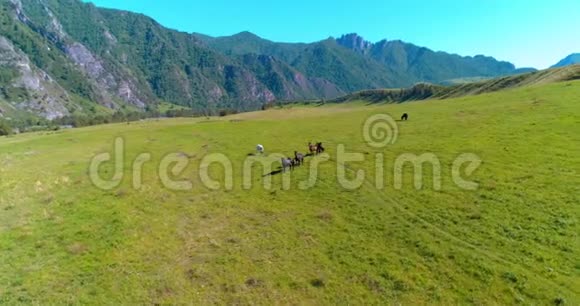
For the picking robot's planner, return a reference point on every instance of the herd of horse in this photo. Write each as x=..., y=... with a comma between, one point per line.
x=290, y=163
x=315, y=149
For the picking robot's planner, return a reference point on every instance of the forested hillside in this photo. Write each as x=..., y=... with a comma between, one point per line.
x=65, y=57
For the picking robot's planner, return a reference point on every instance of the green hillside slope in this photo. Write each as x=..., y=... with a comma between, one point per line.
x=429, y=91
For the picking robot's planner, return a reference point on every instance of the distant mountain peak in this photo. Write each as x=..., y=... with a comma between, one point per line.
x=355, y=42
x=246, y=34
x=571, y=59
x=243, y=33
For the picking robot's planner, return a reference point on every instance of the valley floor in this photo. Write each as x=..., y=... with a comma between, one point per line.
x=512, y=240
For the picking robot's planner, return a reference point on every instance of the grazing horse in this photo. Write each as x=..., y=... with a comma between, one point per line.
x=298, y=158
x=287, y=164
x=405, y=117
x=319, y=148
x=295, y=163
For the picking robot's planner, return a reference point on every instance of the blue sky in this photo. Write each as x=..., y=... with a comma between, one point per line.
x=528, y=33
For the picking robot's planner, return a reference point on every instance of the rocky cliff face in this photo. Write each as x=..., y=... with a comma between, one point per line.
x=30, y=88
x=110, y=86
x=286, y=83
x=355, y=42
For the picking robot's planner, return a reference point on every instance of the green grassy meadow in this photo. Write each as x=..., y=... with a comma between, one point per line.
x=512, y=241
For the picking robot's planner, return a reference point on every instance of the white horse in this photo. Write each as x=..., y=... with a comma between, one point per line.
x=260, y=149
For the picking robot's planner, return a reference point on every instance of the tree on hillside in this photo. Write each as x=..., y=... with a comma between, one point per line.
x=5, y=128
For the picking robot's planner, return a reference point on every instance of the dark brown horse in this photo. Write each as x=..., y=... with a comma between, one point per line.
x=315, y=149
x=319, y=148
x=405, y=117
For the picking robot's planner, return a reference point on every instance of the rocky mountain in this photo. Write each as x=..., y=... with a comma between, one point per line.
x=324, y=59
x=419, y=64
x=62, y=57
x=286, y=82
x=353, y=63
x=571, y=59
x=355, y=42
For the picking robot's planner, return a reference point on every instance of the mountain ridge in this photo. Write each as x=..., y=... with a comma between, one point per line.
x=403, y=60
x=571, y=59
x=88, y=60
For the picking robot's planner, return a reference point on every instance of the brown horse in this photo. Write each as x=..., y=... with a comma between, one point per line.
x=315, y=149
x=312, y=148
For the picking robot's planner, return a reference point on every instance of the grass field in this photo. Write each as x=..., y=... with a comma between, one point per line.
x=514, y=240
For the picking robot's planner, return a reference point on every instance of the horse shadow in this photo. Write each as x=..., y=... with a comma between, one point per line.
x=275, y=172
